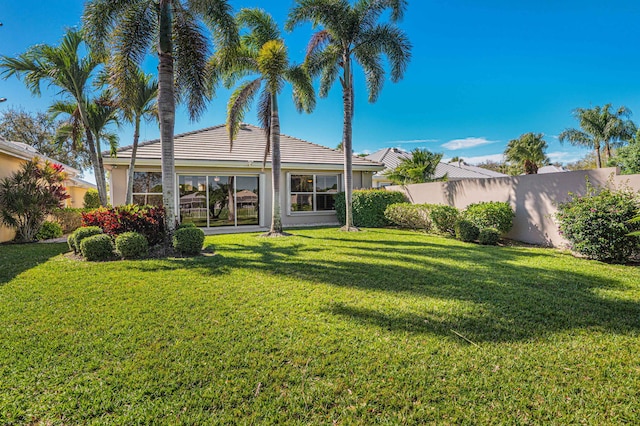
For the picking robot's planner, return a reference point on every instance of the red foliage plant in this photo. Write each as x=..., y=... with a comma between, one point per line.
x=146, y=220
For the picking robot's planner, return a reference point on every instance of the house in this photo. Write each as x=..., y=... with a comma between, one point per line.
x=392, y=157
x=223, y=189
x=14, y=154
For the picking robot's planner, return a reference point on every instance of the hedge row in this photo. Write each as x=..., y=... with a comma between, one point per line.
x=368, y=207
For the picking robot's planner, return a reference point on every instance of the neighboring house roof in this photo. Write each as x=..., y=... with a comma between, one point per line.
x=550, y=169
x=211, y=145
x=392, y=157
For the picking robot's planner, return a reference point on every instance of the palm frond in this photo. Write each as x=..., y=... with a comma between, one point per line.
x=330, y=14
x=218, y=16
x=304, y=97
x=264, y=118
x=238, y=105
x=262, y=28
x=388, y=40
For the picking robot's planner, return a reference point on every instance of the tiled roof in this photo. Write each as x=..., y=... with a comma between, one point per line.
x=212, y=144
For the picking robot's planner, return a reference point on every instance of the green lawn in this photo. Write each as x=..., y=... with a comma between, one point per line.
x=377, y=327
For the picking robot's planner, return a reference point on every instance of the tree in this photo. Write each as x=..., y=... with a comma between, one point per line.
x=129, y=29
x=419, y=168
x=351, y=33
x=63, y=67
x=38, y=130
x=262, y=52
x=599, y=126
x=29, y=195
x=528, y=152
x=628, y=157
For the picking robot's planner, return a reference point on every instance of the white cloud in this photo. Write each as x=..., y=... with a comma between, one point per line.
x=466, y=143
x=482, y=158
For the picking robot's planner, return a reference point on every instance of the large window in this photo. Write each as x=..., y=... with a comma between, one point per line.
x=147, y=188
x=312, y=193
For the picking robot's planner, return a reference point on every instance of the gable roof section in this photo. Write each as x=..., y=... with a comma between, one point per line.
x=211, y=145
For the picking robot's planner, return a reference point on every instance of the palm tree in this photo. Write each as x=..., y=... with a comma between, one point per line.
x=528, y=151
x=600, y=126
x=132, y=28
x=263, y=53
x=63, y=67
x=351, y=33
x=420, y=167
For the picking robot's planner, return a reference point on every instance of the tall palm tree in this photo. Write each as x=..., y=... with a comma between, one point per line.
x=528, y=152
x=420, y=167
x=132, y=28
x=262, y=53
x=598, y=126
x=63, y=67
x=352, y=33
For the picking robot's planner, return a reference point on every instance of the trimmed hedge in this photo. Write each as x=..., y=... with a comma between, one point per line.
x=407, y=215
x=444, y=218
x=368, y=206
x=188, y=241
x=466, y=231
x=492, y=214
x=132, y=245
x=49, y=230
x=489, y=236
x=97, y=247
x=80, y=234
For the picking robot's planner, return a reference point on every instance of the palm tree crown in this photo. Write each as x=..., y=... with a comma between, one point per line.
x=420, y=167
x=351, y=33
x=528, y=152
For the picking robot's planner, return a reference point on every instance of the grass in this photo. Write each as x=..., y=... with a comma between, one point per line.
x=377, y=327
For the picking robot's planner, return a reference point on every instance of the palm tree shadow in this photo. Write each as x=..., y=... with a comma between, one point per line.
x=18, y=258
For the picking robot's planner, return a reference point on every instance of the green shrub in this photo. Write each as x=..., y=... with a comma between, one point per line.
x=489, y=236
x=132, y=245
x=407, y=215
x=466, y=231
x=49, y=230
x=91, y=199
x=492, y=214
x=82, y=233
x=146, y=220
x=598, y=223
x=188, y=241
x=69, y=218
x=368, y=206
x=444, y=218
x=71, y=242
x=187, y=225
x=97, y=247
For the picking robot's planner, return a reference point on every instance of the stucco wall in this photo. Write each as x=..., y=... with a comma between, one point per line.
x=533, y=197
x=8, y=165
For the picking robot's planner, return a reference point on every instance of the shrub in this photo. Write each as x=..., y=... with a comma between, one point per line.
x=368, y=206
x=188, y=240
x=49, y=230
x=492, y=214
x=146, y=220
x=97, y=247
x=71, y=242
x=82, y=233
x=444, y=218
x=598, y=223
x=91, y=199
x=466, y=231
x=489, y=236
x=29, y=195
x=69, y=218
x=132, y=245
x=187, y=225
x=407, y=215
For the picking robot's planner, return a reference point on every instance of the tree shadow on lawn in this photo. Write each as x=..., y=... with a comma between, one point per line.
x=507, y=301
x=18, y=258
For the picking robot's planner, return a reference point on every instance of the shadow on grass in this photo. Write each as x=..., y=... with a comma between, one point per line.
x=17, y=258
x=505, y=298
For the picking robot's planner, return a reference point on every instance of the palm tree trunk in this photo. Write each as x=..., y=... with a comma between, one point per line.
x=347, y=132
x=166, y=116
x=95, y=156
x=598, y=159
x=607, y=151
x=132, y=163
x=101, y=172
x=274, y=138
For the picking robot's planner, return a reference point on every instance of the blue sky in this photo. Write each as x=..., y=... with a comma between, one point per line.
x=482, y=73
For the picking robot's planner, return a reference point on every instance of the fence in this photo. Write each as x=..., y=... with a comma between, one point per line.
x=533, y=197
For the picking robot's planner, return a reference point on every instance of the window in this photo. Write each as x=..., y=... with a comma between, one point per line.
x=312, y=193
x=147, y=188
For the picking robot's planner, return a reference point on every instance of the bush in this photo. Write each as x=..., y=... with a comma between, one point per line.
x=97, y=247
x=80, y=234
x=407, y=215
x=132, y=245
x=187, y=225
x=69, y=218
x=597, y=224
x=188, y=241
x=489, y=236
x=444, y=218
x=146, y=220
x=493, y=214
x=49, y=230
x=466, y=231
x=91, y=199
x=368, y=206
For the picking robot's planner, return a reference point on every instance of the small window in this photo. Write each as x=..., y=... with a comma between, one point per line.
x=312, y=193
x=147, y=188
